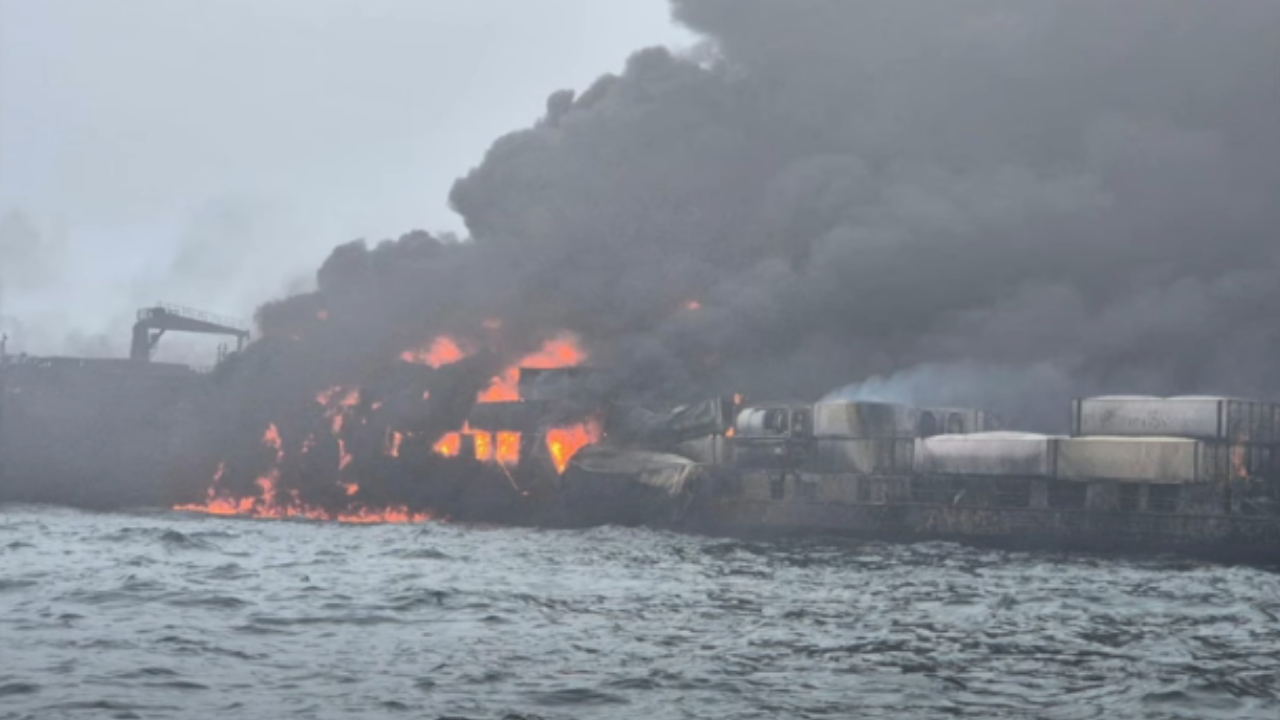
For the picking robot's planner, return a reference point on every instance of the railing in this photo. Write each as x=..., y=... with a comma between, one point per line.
x=193, y=314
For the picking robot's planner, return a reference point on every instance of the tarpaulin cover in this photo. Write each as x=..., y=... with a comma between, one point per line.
x=667, y=472
x=637, y=426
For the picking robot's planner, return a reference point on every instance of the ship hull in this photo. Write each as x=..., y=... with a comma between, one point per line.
x=97, y=434
x=1252, y=539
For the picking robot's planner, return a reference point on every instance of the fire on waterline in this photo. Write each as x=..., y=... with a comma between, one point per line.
x=501, y=448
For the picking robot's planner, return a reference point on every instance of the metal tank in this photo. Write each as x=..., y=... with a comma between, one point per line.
x=775, y=421
x=1200, y=417
x=1001, y=454
x=775, y=435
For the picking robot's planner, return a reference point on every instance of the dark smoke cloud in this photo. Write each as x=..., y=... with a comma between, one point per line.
x=995, y=202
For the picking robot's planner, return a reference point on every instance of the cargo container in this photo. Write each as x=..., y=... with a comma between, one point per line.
x=1157, y=459
x=870, y=456
x=1203, y=418
x=953, y=421
x=845, y=419
x=1006, y=454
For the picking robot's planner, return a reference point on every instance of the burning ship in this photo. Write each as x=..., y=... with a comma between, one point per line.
x=1195, y=474
x=437, y=433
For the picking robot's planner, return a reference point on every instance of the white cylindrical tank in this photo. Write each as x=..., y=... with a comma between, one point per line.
x=1001, y=454
x=772, y=421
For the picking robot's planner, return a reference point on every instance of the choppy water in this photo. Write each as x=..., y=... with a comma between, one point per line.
x=173, y=616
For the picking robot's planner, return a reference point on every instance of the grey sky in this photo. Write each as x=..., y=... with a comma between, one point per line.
x=210, y=153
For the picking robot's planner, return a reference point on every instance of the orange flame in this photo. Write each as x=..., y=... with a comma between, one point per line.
x=270, y=505
x=336, y=410
x=267, y=483
x=398, y=514
x=449, y=445
x=559, y=352
x=508, y=448
x=693, y=305
x=271, y=438
x=484, y=445
x=563, y=443
x=442, y=351
x=346, y=397
x=504, y=388
x=214, y=503
x=502, y=447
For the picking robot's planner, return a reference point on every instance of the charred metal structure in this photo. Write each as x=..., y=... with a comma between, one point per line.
x=1198, y=475
x=1195, y=474
x=154, y=322
x=1184, y=474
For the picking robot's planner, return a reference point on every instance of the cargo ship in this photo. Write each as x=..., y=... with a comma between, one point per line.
x=1198, y=475
x=1181, y=474
x=105, y=433
x=1187, y=475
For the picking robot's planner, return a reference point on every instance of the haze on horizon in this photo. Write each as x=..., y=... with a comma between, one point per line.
x=212, y=154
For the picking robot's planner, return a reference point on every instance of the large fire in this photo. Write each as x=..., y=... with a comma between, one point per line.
x=342, y=407
x=563, y=443
x=442, y=351
x=450, y=445
x=508, y=448
x=503, y=447
x=271, y=504
x=560, y=352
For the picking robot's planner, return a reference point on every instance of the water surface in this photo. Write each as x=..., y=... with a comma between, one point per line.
x=178, y=616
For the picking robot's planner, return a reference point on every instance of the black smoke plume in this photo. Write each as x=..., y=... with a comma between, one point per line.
x=1001, y=203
